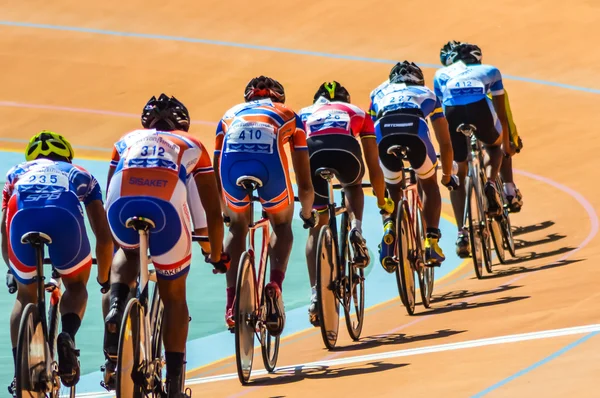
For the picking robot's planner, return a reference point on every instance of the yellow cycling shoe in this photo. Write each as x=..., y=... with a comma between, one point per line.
x=434, y=255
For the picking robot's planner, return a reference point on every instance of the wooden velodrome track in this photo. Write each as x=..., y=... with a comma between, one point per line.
x=70, y=54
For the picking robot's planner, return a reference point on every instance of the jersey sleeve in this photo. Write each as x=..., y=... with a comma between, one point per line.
x=438, y=111
x=86, y=185
x=94, y=192
x=219, y=137
x=368, y=128
x=298, y=141
x=6, y=194
x=496, y=87
x=204, y=164
x=436, y=88
x=115, y=157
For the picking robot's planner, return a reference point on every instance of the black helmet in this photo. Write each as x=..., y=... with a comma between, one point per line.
x=408, y=73
x=264, y=87
x=455, y=51
x=332, y=91
x=165, y=114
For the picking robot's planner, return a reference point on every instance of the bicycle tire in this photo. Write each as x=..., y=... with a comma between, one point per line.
x=132, y=353
x=473, y=227
x=426, y=274
x=157, y=309
x=505, y=225
x=405, y=275
x=355, y=288
x=269, y=345
x=29, y=365
x=498, y=240
x=328, y=304
x=484, y=225
x=245, y=310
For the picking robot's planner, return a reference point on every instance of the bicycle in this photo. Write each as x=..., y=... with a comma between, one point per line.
x=338, y=280
x=140, y=362
x=250, y=301
x=37, y=367
x=410, y=230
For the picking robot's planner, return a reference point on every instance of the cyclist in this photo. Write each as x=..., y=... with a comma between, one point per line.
x=462, y=86
x=147, y=178
x=44, y=194
x=250, y=141
x=333, y=125
x=400, y=107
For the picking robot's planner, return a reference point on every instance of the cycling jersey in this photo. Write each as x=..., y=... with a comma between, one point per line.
x=44, y=196
x=152, y=172
x=461, y=84
x=334, y=117
x=250, y=140
x=389, y=97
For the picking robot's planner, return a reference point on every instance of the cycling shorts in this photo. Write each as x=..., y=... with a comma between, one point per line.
x=480, y=114
x=170, y=242
x=276, y=193
x=337, y=151
x=412, y=132
x=59, y=216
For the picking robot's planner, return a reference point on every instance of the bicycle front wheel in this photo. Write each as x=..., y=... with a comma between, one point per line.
x=31, y=355
x=473, y=220
x=426, y=274
x=405, y=275
x=328, y=303
x=132, y=354
x=245, y=313
x=354, y=301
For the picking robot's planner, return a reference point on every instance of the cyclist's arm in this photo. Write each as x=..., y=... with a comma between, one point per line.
x=115, y=157
x=500, y=106
x=217, y=162
x=104, y=242
x=442, y=134
x=208, y=190
x=301, y=163
x=371, y=153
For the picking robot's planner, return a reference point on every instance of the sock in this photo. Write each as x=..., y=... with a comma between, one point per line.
x=118, y=292
x=434, y=233
x=277, y=277
x=357, y=225
x=70, y=324
x=313, y=290
x=230, y=297
x=14, y=351
x=174, y=362
x=509, y=189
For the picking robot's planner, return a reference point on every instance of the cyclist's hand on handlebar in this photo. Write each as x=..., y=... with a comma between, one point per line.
x=226, y=220
x=221, y=266
x=11, y=282
x=310, y=221
x=450, y=182
x=387, y=207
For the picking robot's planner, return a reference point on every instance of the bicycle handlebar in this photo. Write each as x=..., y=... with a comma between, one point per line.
x=339, y=186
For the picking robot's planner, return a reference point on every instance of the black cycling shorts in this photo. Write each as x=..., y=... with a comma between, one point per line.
x=479, y=114
x=339, y=152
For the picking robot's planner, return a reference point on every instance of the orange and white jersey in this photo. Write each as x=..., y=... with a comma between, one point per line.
x=152, y=162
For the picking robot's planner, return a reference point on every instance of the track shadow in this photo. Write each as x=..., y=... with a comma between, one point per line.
x=536, y=256
x=465, y=305
x=532, y=228
x=499, y=273
x=396, y=338
x=523, y=244
x=296, y=374
x=463, y=294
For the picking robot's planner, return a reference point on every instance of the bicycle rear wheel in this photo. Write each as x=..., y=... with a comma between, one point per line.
x=405, y=276
x=269, y=345
x=132, y=354
x=505, y=226
x=473, y=220
x=245, y=312
x=484, y=225
x=31, y=355
x=328, y=304
x=498, y=239
x=354, y=306
x=156, y=326
x=426, y=274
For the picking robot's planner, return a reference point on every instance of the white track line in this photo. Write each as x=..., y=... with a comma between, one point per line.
x=414, y=351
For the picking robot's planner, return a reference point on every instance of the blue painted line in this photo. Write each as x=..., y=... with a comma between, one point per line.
x=536, y=365
x=266, y=48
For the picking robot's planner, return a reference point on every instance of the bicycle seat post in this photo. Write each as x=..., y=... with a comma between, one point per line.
x=250, y=184
x=143, y=226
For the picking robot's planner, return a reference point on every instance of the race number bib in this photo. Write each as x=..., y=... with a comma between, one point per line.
x=459, y=87
x=153, y=151
x=250, y=137
x=327, y=119
x=43, y=181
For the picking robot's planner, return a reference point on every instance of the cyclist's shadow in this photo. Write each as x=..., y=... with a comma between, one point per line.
x=286, y=375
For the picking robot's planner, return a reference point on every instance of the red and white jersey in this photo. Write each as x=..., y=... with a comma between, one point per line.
x=335, y=117
x=152, y=162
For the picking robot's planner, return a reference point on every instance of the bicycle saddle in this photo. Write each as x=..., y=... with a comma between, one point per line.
x=467, y=129
x=327, y=173
x=399, y=151
x=140, y=223
x=36, y=238
x=249, y=183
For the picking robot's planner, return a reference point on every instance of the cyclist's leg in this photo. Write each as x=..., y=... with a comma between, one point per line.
x=512, y=193
x=489, y=131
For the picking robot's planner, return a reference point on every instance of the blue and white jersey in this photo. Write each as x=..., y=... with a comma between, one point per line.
x=461, y=84
x=42, y=179
x=389, y=97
